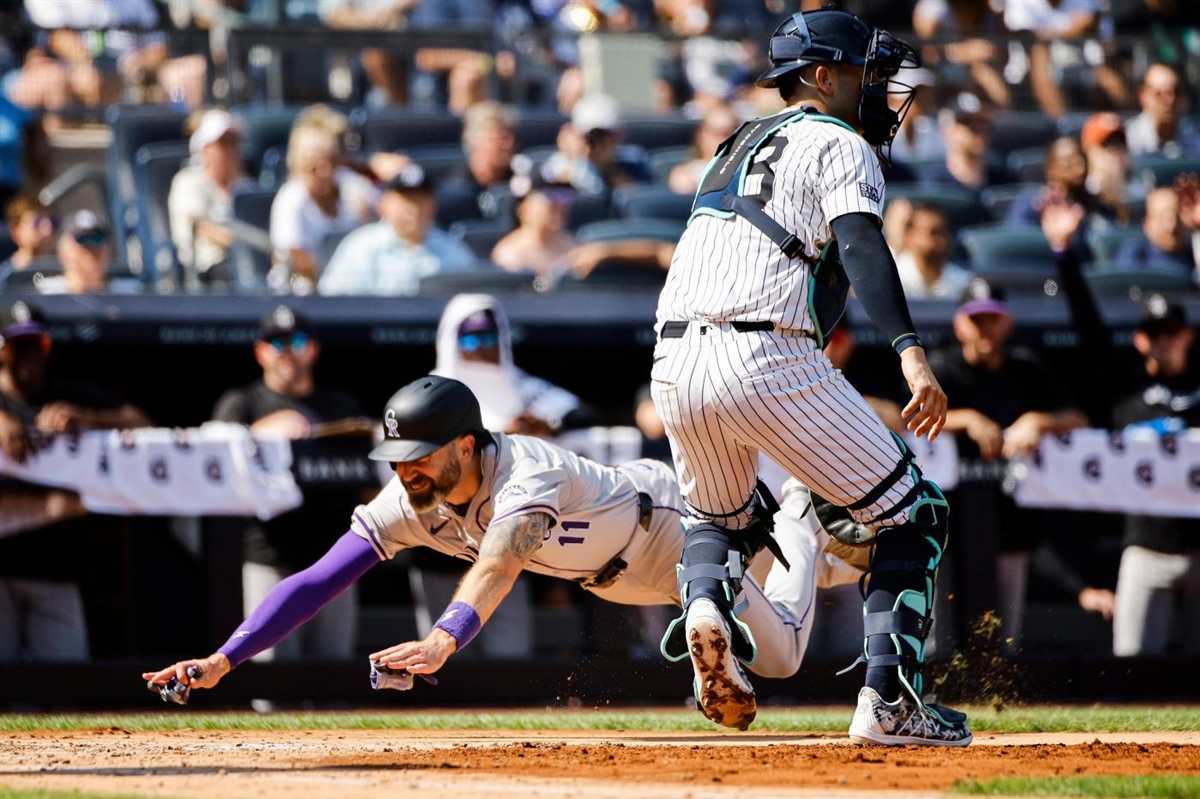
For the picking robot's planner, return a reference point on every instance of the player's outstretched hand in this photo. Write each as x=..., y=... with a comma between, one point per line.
x=212, y=669
x=926, y=411
x=418, y=657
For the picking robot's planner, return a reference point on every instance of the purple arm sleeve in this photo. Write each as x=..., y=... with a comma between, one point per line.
x=297, y=598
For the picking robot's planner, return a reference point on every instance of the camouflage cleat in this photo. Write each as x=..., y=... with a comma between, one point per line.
x=905, y=722
x=723, y=693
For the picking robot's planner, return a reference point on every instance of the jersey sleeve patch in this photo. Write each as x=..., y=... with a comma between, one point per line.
x=869, y=191
x=510, y=498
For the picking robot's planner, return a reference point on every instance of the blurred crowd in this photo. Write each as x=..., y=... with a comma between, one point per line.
x=1050, y=144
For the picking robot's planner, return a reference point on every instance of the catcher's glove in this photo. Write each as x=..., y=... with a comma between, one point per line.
x=839, y=524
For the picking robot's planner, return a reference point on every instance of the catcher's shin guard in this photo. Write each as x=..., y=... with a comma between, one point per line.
x=898, y=589
x=712, y=567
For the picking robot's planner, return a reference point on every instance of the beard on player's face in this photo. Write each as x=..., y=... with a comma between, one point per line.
x=427, y=490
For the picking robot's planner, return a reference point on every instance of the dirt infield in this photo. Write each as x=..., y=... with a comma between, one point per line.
x=312, y=764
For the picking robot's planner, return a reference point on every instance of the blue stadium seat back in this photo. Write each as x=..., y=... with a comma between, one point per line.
x=998, y=199
x=651, y=201
x=1000, y=243
x=588, y=209
x=481, y=235
x=29, y=278
x=489, y=279
x=132, y=126
x=438, y=160
x=253, y=206
x=395, y=128
x=1106, y=244
x=155, y=167
x=664, y=159
x=329, y=245
x=7, y=245
x=456, y=201
x=538, y=127
x=263, y=127
x=655, y=131
x=1137, y=283
x=539, y=154
x=1020, y=277
x=1028, y=165
x=1017, y=130
x=1157, y=170
x=963, y=208
x=615, y=276
x=667, y=230
x=273, y=171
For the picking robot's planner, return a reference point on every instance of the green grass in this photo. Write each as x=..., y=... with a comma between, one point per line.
x=1029, y=720
x=1157, y=787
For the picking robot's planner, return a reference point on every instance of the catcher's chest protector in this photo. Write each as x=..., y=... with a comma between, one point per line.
x=721, y=195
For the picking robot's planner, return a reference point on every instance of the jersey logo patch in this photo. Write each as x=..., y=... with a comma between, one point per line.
x=869, y=191
x=511, y=495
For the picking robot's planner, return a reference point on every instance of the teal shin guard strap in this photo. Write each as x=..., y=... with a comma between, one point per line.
x=895, y=623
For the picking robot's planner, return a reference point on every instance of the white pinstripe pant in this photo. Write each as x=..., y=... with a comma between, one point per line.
x=725, y=396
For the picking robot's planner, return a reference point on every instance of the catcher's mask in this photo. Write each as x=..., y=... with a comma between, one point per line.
x=426, y=415
x=831, y=36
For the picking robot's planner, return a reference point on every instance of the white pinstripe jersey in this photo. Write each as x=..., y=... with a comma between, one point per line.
x=724, y=269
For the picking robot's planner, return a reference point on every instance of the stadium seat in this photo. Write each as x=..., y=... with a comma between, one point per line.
x=1020, y=278
x=664, y=159
x=155, y=167
x=263, y=127
x=652, y=201
x=963, y=208
x=1000, y=243
x=653, y=132
x=538, y=127
x=1107, y=243
x=998, y=199
x=132, y=126
x=1157, y=170
x=615, y=276
x=438, y=160
x=329, y=245
x=394, y=129
x=1027, y=165
x=28, y=279
x=621, y=229
x=587, y=209
x=492, y=280
x=1018, y=130
x=250, y=263
x=273, y=171
x=456, y=201
x=481, y=235
x=1135, y=283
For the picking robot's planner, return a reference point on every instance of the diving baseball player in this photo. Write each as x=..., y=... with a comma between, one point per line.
x=513, y=502
x=786, y=219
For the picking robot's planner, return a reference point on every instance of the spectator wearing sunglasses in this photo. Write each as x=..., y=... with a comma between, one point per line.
x=32, y=229
x=41, y=582
x=288, y=400
x=85, y=252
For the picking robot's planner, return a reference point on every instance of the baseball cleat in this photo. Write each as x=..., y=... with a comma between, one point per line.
x=723, y=693
x=906, y=722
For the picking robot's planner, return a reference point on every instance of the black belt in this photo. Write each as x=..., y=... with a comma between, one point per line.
x=677, y=329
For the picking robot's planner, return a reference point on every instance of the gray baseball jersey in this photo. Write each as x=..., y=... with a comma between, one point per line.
x=597, y=517
x=727, y=395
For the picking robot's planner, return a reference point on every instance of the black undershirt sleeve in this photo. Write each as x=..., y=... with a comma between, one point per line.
x=872, y=271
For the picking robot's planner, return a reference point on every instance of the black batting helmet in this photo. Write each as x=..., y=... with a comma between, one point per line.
x=826, y=36
x=425, y=416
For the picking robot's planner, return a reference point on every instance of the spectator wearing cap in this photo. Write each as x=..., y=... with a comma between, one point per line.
x=288, y=401
x=1165, y=245
x=393, y=255
x=590, y=155
x=1158, y=580
x=32, y=229
x=924, y=264
x=1003, y=399
x=967, y=128
x=201, y=198
x=1109, y=171
x=41, y=603
x=85, y=252
x=1162, y=126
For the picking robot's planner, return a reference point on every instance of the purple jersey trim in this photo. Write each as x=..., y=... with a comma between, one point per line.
x=549, y=510
x=296, y=599
x=373, y=538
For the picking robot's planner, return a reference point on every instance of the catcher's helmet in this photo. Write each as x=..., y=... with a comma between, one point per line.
x=424, y=416
x=827, y=36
